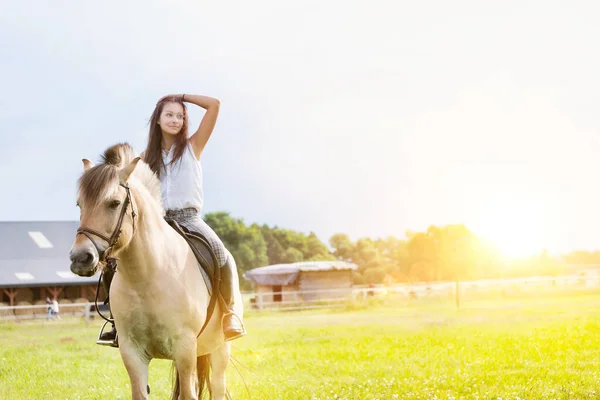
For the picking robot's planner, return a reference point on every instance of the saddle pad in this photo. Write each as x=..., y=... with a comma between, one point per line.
x=201, y=250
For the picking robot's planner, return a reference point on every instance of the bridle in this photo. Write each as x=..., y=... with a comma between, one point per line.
x=114, y=238
x=104, y=255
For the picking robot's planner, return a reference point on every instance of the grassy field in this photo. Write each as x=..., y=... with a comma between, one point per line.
x=514, y=349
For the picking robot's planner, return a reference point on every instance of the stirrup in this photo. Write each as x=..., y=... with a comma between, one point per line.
x=239, y=334
x=111, y=343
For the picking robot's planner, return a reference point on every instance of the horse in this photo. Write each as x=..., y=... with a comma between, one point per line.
x=159, y=299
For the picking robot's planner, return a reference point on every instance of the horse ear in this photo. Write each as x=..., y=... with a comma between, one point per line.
x=126, y=172
x=87, y=164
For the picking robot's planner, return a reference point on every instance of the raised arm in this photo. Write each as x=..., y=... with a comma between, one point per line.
x=201, y=136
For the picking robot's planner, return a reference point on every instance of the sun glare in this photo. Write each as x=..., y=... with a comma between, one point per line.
x=515, y=226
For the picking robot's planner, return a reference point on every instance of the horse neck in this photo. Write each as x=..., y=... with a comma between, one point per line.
x=154, y=248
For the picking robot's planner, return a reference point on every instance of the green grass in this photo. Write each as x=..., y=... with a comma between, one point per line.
x=526, y=349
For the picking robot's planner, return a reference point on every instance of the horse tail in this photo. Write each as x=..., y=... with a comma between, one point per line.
x=203, y=370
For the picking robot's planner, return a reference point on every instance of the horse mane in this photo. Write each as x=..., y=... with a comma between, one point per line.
x=94, y=182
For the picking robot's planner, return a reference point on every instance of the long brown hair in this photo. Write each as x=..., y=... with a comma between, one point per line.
x=153, y=153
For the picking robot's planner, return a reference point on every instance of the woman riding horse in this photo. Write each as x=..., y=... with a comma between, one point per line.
x=160, y=300
x=175, y=159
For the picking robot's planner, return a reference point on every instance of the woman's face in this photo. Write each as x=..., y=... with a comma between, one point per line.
x=171, y=118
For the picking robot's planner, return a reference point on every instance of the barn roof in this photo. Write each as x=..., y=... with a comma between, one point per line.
x=36, y=253
x=286, y=274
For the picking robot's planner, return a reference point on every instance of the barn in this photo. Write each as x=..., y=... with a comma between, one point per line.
x=302, y=281
x=34, y=264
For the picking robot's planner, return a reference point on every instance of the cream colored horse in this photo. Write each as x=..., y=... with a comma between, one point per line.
x=158, y=296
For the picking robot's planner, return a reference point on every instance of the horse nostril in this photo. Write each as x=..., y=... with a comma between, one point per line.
x=87, y=257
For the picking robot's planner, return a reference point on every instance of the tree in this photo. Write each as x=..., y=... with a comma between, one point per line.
x=307, y=247
x=293, y=255
x=246, y=244
x=316, y=250
x=275, y=251
x=342, y=246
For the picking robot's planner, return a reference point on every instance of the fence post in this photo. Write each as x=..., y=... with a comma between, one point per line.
x=86, y=313
x=260, y=301
x=457, y=293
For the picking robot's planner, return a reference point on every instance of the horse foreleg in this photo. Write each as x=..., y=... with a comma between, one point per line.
x=137, y=368
x=185, y=362
x=218, y=362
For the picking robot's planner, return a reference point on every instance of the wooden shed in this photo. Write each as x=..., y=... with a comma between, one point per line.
x=302, y=281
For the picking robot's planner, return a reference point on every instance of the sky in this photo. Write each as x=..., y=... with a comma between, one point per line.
x=365, y=118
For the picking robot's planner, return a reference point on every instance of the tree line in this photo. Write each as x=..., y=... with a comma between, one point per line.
x=449, y=252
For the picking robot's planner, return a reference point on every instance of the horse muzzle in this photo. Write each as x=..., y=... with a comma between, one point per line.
x=84, y=262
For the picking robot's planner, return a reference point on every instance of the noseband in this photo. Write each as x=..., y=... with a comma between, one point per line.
x=111, y=262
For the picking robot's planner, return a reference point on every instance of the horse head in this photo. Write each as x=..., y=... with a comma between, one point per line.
x=107, y=209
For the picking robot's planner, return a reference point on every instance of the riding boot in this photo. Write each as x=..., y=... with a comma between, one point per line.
x=110, y=337
x=233, y=327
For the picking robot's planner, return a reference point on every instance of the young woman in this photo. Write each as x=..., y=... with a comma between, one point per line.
x=175, y=157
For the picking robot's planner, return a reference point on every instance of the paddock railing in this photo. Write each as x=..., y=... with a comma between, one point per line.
x=25, y=312
x=396, y=295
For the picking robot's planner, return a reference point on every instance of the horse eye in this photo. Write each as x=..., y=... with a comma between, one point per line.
x=114, y=204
